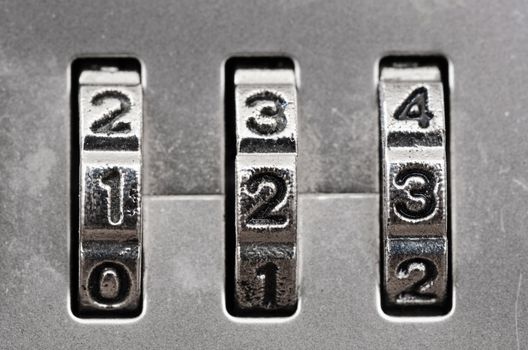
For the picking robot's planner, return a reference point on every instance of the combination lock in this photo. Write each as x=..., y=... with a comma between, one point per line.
x=243, y=175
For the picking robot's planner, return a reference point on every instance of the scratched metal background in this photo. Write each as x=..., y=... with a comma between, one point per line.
x=337, y=45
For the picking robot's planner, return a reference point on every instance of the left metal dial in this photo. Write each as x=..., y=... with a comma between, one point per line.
x=110, y=106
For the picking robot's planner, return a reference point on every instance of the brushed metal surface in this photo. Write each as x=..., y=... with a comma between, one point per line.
x=183, y=46
x=339, y=308
x=337, y=45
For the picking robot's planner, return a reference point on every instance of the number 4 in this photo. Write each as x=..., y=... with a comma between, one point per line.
x=415, y=107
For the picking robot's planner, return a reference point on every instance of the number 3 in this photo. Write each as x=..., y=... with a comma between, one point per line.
x=272, y=119
x=418, y=200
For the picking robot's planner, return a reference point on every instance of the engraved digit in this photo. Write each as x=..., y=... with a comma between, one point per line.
x=112, y=182
x=416, y=107
x=109, y=283
x=109, y=123
x=265, y=212
x=418, y=188
x=268, y=273
x=417, y=292
x=271, y=118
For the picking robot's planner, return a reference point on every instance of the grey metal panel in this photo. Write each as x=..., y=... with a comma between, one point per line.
x=183, y=45
x=184, y=283
x=336, y=44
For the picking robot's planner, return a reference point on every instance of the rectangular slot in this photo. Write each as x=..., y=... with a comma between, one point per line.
x=260, y=187
x=415, y=230
x=106, y=137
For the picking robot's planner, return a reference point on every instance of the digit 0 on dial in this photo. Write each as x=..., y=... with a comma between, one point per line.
x=109, y=235
x=265, y=275
x=414, y=191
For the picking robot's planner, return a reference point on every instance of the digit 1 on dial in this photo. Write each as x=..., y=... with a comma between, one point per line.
x=265, y=264
x=415, y=279
x=109, y=244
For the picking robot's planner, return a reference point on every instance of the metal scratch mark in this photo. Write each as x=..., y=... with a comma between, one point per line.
x=520, y=183
x=517, y=311
x=482, y=152
x=501, y=220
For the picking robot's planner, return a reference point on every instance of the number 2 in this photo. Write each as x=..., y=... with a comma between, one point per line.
x=262, y=214
x=418, y=290
x=109, y=123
